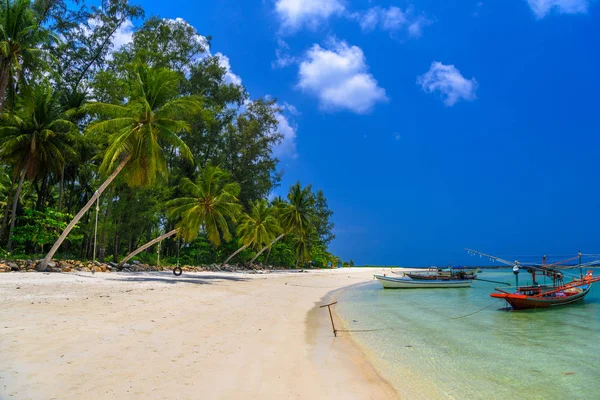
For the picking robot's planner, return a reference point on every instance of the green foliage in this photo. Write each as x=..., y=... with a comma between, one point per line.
x=42, y=228
x=140, y=128
x=281, y=255
x=260, y=227
x=199, y=252
x=163, y=107
x=21, y=36
x=211, y=202
x=37, y=136
x=164, y=43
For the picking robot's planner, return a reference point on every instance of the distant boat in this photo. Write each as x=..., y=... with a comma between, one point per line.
x=454, y=273
x=391, y=282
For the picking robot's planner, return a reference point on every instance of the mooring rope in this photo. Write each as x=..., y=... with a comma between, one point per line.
x=484, y=308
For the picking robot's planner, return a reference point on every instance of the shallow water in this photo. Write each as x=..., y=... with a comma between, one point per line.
x=428, y=346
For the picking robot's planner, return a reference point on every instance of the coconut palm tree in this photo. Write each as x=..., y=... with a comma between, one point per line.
x=21, y=37
x=35, y=138
x=137, y=132
x=209, y=204
x=295, y=216
x=258, y=228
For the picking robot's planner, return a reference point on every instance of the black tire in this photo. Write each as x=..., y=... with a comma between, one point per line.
x=177, y=271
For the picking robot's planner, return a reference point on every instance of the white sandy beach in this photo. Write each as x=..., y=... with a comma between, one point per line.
x=198, y=336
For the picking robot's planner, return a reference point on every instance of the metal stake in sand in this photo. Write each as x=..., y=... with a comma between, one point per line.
x=331, y=317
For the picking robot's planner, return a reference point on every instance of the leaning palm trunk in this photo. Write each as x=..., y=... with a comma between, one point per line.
x=235, y=254
x=267, y=247
x=13, y=216
x=144, y=247
x=42, y=266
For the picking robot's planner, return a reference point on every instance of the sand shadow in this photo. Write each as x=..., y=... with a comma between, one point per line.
x=168, y=277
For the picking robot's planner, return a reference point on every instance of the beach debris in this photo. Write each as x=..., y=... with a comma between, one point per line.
x=331, y=316
x=569, y=373
x=74, y=266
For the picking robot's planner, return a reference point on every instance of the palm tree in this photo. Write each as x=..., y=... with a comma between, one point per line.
x=35, y=138
x=137, y=132
x=301, y=248
x=21, y=37
x=295, y=216
x=210, y=202
x=257, y=228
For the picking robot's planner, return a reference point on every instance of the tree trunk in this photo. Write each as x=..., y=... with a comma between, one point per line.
x=235, y=254
x=6, y=210
x=4, y=74
x=61, y=189
x=42, y=266
x=116, y=242
x=71, y=193
x=41, y=201
x=144, y=247
x=14, y=210
x=268, y=247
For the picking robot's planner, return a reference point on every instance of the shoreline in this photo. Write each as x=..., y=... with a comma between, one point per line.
x=373, y=364
x=344, y=347
x=151, y=335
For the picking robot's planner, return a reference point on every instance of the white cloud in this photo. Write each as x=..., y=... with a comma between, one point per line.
x=283, y=57
x=542, y=7
x=289, y=108
x=449, y=82
x=123, y=35
x=392, y=20
x=295, y=14
x=339, y=78
x=229, y=77
x=287, y=147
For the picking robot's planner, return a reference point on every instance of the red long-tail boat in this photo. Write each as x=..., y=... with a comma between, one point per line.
x=540, y=296
x=545, y=296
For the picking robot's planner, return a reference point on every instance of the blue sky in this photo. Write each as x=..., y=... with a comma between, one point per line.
x=430, y=125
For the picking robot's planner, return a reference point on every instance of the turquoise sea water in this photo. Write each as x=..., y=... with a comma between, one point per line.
x=426, y=346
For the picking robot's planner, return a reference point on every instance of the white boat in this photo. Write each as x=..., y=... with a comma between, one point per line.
x=391, y=282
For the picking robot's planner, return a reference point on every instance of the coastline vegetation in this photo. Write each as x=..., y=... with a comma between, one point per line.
x=151, y=139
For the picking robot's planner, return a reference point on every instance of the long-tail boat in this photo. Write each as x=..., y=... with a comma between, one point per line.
x=451, y=273
x=545, y=296
x=392, y=282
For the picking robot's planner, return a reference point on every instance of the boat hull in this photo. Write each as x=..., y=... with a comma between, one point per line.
x=389, y=282
x=436, y=277
x=522, y=302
